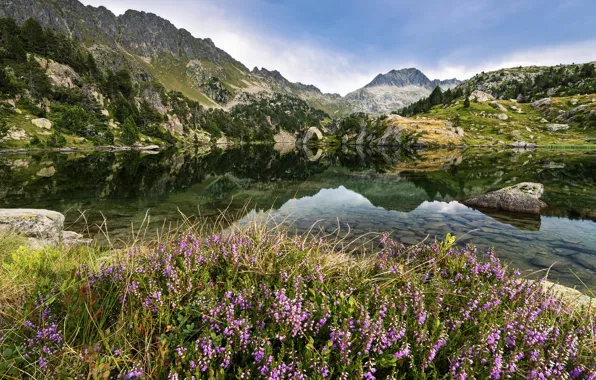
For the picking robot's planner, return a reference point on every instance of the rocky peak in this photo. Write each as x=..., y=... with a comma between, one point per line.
x=410, y=77
x=272, y=74
x=401, y=78
x=140, y=33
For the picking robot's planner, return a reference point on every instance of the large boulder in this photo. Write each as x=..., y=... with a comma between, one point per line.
x=523, y=197
x=42, y=228
x=37, y=225
x=498, y=106
x=542, y=103
x=42, y=123
x=481, y=96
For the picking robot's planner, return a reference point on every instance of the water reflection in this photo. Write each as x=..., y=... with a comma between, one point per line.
x=567, y=247
x=410, y=194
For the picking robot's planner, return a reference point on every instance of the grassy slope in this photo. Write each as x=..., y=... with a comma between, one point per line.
x=488, y=131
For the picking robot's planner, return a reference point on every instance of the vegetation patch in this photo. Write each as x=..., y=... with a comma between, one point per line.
x=256, y=304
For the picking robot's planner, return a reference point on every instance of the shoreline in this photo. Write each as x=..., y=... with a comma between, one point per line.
x=156, y=148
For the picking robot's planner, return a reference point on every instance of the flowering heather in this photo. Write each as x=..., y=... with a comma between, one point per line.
x=259, y=305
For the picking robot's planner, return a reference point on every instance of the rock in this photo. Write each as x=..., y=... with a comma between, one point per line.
x=573, y=102
x=523, y=144
x=542, y=103
x=15, y=133
x=515, y=108
x=543, y=121
x=73, y=239
x=174, y=125
x=105, y=112
x=46, y=172
x=528, y=129
x=42, y=123
x=557, y=127
x=498, y=106
x=577, y=109
x=523, y=197
x=568, y=294
x=501, y=116
x=460, y=131
x=480, y=96
x=553, y=165
x=41, y=225
x=150, y=147
x=60, y=75
x=284, y=137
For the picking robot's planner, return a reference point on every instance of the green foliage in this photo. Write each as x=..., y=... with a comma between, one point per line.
x=467, y=102
x=56, y=140
x=75, y=119
x=35, y=141
x=129, y=133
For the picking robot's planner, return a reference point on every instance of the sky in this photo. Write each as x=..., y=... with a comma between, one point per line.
x=341, y=45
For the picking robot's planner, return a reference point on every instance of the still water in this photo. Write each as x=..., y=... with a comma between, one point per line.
x=412, y=195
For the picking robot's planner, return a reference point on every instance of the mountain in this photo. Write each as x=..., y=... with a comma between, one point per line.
x=394, y=90
x=153, y=49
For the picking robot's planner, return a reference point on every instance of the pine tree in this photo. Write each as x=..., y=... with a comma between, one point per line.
x=467, y=102
x=33, y=36
x=129, y=131
x=435, y=97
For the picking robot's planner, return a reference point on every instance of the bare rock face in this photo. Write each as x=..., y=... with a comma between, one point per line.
x=523, y=197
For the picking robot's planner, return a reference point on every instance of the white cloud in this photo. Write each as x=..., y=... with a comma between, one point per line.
x=578, y=52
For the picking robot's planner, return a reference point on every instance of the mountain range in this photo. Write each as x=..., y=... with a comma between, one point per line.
x=152, y=48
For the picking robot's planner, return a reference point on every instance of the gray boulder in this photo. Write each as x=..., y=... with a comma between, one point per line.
x=523, y=197
x=42, y=228
x=557, y=127
x=542, y=103
x=498, y=106
x=41, y=225
x=73, y=239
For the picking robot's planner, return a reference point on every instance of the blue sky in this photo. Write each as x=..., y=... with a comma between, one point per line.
x=340, y=46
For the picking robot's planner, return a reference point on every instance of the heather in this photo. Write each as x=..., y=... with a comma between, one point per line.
x=264, y=304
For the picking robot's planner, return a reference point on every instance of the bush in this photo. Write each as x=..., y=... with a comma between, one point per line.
x=129, y=133
x=35, y=141
x=56, y=140
x=259, y=305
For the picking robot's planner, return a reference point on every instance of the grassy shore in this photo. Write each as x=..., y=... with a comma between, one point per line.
x=262, y=304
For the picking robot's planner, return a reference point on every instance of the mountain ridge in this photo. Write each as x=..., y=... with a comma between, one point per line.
x=153, y=47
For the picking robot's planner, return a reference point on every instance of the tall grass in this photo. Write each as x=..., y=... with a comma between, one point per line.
x=256, y=303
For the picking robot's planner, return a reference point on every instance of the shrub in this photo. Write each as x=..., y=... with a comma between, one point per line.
x=259, y=305
x=56, y=140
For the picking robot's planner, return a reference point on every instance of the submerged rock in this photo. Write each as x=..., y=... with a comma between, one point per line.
x=523, y=197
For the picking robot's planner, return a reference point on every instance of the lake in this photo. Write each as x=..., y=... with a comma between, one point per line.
x=350, y=193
